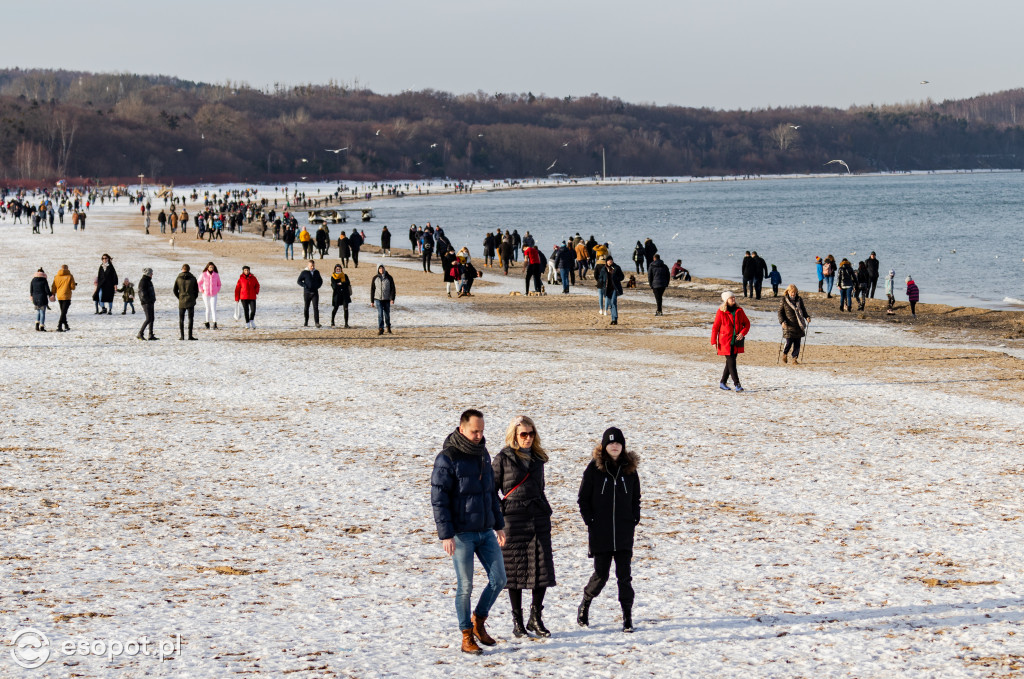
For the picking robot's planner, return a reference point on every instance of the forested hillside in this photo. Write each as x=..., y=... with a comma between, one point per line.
x=62, y=124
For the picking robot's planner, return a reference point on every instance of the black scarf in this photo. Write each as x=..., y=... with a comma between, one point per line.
x=464, y=445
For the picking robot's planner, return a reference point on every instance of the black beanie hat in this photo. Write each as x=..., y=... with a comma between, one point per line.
x=612, y=435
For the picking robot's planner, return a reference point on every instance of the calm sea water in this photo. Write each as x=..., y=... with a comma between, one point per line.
x=913, y=222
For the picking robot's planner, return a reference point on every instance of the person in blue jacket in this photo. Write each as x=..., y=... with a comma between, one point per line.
x=776, y=279
x=469, y=522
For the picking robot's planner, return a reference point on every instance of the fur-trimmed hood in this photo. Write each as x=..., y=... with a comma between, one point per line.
x=629, y=465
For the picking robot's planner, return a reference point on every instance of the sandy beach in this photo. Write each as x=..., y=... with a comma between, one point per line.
x=265, y=494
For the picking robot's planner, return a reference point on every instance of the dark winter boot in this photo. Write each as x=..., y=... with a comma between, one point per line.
x=627, y=618
x=480, y=632
x=207, y=325
x=37, y=326
x=536, y=625
x=517, y=622
x=214, y=326
x=583, y=612
x=469, y=643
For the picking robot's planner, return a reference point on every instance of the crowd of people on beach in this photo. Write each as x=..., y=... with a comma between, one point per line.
x=572, y=261
x=495, y=510
x=188, y=290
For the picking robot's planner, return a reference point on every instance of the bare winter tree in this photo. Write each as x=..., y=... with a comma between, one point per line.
x=65, y=127
x=155, y=166
x=783, y=136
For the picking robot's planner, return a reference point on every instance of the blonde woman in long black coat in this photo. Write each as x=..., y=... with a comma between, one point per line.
x=529, y=559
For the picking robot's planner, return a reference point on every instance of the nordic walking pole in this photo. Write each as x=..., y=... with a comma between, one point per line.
x=807, y=337
x=779, y=357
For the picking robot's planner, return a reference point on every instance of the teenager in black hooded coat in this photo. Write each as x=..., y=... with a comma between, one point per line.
x=609, y=501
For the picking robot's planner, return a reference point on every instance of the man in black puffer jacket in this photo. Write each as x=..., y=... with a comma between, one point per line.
x=469, y=522
x=657, y=276
x=872, y=264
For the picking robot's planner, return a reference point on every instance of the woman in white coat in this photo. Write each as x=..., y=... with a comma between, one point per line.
x=209, y=286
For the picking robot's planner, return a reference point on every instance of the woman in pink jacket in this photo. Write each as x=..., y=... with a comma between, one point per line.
x=209, y=286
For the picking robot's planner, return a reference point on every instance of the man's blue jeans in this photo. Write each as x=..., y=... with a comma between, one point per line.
x=289, y=249
x=383, y=313
x=565, y=279
x=612, y=302
x=485, y=546
x=600, y=297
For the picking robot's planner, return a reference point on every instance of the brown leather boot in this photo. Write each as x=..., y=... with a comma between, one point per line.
x=469, y=643
x=481, y=633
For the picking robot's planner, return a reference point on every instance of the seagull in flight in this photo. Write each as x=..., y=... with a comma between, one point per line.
x=180, y=150
x=479, y=135
x=377, y=133
x=795, y=127
x=925, y=82
x=565, y=144
x=433, y=146
x=305, y=160
x=841, y=162
x=337, y=151
x=552, y=165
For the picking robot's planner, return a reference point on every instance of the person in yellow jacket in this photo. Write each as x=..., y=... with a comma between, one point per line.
x=582, y=259
x=307, y=244
x=63, y=284
x=601, y=252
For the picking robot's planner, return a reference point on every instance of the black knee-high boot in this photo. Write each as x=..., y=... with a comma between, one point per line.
x=515, y=597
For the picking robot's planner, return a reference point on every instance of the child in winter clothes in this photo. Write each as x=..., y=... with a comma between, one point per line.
x=776, y=278
x=127, y=291
x=890, y=281
x=609, y=501
x=913, y=295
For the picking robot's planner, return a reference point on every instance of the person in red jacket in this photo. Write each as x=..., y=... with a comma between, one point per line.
x=246, y=290
x=727, y=334
x=531, y=256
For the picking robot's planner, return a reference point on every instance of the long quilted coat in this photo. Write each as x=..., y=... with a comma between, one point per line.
x=529, y=559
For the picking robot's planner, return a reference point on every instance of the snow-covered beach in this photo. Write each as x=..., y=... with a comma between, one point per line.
x=265, y=494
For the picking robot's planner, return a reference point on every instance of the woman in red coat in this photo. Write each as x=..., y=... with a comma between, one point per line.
x=731, y=326
x=246, y=290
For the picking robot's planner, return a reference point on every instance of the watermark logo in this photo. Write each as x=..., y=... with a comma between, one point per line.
x=31, y=648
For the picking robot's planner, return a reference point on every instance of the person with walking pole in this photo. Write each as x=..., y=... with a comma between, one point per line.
x=794, y=318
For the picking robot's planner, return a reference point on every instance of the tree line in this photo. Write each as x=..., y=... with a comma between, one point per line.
x=65, y=124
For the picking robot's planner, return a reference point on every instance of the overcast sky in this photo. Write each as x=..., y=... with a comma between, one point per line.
x=722, y=54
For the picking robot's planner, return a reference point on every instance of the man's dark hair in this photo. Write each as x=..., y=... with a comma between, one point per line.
x=470, y=414
x=657, y=256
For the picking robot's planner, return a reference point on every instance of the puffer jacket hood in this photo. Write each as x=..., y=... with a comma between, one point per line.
x=628, y=465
